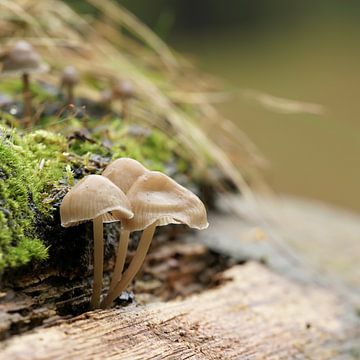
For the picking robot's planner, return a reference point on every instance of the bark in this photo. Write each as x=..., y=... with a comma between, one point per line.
x=172, y=269
x=257, y=314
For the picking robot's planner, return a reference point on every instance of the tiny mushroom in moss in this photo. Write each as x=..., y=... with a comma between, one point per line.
x=21, y=59
x=123, y=173
x=105, y=98
x=95, y=198
x=156, y=200
x=69, y=79
x=124, y=90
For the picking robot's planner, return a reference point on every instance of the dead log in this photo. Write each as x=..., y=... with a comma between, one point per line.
x=256, y=314
x=172, y=269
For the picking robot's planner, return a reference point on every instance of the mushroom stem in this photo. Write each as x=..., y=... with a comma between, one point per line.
x=70, y=94
x=125, y=109
x=134, y=266
x=27, y=99
x=120, y=258
x=98, y=261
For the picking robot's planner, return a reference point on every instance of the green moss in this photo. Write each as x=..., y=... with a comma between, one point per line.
x=154, y=150
x=10, y=86
x=41, y=153
x=81, y=148
x=18, y=243
x=30, y=166
x=13, y=86
x=34, y=164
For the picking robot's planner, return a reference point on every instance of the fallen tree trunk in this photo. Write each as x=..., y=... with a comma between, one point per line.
x=256, y=314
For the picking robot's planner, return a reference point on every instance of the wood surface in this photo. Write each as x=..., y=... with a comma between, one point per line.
x=255, y=314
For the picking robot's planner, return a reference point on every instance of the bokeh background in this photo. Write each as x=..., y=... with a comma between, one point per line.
x=307, y=51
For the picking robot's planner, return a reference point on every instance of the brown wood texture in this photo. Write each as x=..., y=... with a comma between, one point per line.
x=255, y=314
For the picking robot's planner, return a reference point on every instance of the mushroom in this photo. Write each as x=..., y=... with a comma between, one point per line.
x=156, y=200
x=22, y=59
x=123, y=173
x=95, y=198
x=124, y=90
x=105, y=98
x=69, y=78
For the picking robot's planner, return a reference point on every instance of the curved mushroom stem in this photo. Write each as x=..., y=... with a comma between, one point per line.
x=120, y=258
x=134, y=266
x=27, y=100
x=98, y=261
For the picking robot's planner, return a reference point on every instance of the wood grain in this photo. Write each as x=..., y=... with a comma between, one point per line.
x=256, y=314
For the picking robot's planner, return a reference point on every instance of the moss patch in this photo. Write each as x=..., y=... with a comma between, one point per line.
x=30, y=166
x=36, y=167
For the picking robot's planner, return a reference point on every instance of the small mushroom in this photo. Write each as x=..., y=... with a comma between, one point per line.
x=22, y=60
x=123, y=173
x=105, y=98
x=124, y=90
x=69, y=79
x=95, y=198
x=156, y=200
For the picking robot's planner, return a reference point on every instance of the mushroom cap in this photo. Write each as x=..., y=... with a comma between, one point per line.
x=22, y=58
x=70, y=76
x=124, y=172
x=155, y=197
x=124, y=89
x=92, y=197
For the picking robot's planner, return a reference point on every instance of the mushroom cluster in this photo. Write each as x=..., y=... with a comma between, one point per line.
x=20, y=59
x=142, y=200
x=96, y=199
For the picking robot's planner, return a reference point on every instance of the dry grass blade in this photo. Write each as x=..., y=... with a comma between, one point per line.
x=122, y=17
x=284, y=106
x=171, y=95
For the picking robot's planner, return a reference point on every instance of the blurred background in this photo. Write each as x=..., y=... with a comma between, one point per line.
x=293, y=67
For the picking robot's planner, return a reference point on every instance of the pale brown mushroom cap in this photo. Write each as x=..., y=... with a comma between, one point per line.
x=155, y=197
x=92, y=197
x=124, y=89
x=70, y=76
x=22, y=59
x=124, y=172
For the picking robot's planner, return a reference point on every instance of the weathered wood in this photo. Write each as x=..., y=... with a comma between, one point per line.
x=171, y=269
x=257, y=314
x=304, y=239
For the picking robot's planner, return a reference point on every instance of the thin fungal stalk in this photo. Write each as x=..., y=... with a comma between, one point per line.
x=27, y=100
x=134, y=266
x=98, y=262
x=70, y=94
x=125, y=109
x=120, y=258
